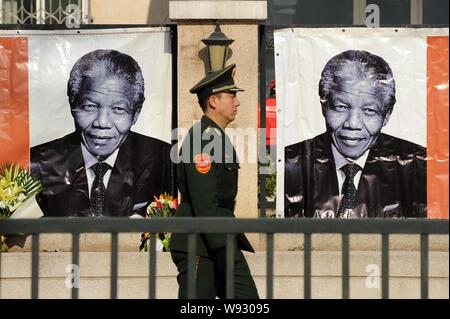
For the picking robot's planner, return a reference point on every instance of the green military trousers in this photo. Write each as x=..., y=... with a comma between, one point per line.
x=210, y=283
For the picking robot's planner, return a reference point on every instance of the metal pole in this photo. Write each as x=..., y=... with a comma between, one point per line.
x=359, y=12
x=152, y=268
x=345, y=266
x=262, y=115
x=424, y=266
x=75, y=262
x=307, y=266
x=35, y=267
x=114, y=248
x=1, y=11
x=416, y=14
x=385, y=266
x=230, y=267
x=40, y=11
x=269, y=273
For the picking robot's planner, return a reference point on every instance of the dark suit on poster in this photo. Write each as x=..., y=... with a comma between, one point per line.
x=392, y=184
x=141, y=170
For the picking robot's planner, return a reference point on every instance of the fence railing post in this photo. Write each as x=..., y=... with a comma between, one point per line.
x=385, y=266
x=75, y=263
x=424, y=266
x=35, y=266
x=152, y=266
x=191, y=266
x=230, y=266
x=114, y=262
x=345, y=266
x=262, y=114
x=269, y=261
x=307, y=266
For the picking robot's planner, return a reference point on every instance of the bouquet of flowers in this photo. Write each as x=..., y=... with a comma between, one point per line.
x=162, y=207
x=17, y=186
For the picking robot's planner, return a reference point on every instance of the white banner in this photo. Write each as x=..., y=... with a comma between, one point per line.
x=300, y=57
x=52, y=55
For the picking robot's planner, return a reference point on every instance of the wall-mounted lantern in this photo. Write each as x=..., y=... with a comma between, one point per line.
x=217, y=45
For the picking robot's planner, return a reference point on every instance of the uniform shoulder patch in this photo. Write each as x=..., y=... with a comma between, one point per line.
x=202, y=163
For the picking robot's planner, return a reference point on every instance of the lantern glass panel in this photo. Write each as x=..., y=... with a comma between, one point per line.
x=217, y=57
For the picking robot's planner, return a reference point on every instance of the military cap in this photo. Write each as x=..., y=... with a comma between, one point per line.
x=216, y=82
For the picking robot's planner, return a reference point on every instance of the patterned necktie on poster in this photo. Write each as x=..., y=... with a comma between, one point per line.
x=98, y=191
x=348, y=189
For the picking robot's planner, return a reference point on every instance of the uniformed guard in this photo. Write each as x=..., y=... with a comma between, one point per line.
x=208, y=183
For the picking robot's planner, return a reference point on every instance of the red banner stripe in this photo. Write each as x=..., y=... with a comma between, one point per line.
x=14, y=119
x=437, y=127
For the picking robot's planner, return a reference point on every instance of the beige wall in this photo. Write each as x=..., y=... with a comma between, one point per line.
x=326, y=282
x=191, y=69
x=129, y=12
x=218, y=9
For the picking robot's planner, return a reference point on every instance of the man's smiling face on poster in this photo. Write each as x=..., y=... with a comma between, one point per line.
x=354, y=116
x=104, y=113
x=357, y=94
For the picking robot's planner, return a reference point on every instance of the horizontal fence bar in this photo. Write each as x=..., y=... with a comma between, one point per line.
x=225, y=225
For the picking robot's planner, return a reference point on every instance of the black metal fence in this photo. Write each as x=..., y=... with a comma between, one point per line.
x=231, y=226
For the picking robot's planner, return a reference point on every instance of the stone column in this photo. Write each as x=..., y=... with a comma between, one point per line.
x=238, y=20
x=129, y=12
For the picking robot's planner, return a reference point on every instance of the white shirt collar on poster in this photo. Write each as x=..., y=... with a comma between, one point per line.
x=90, y=160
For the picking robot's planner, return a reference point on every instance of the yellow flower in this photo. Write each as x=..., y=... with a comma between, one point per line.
x=16, y=186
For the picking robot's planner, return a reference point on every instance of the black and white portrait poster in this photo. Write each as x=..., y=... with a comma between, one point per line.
x=361, y=132
x=52, y=54
x=97, y=107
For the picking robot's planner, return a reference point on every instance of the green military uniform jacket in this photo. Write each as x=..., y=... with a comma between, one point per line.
x=208, y=182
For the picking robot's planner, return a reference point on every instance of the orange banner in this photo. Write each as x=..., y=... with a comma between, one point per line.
x=14, y=119
x=437, y=127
